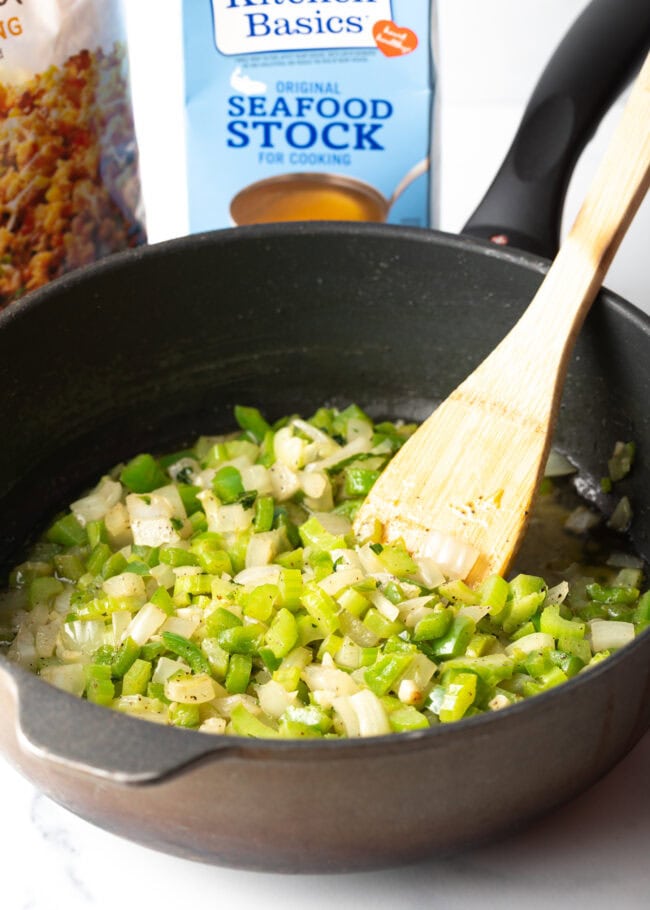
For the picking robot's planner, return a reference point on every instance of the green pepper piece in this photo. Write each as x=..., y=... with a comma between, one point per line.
x=227, y=484
x=143, y=474
x=252, y=422
x=454, y=642
x=186, y=649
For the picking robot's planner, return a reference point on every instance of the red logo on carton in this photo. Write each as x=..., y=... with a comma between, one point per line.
x=392, y=40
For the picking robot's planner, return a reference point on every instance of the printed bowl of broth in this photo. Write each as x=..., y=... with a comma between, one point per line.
x=308, y=197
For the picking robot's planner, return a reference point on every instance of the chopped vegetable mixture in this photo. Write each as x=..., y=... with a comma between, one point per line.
x=221, y=588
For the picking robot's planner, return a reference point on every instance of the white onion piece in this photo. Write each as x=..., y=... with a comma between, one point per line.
x=359, y=429
x=328, y=679
x=326, y=442
x=333, y=584
x=191, y=690
x=84, y=636
x=224, y=518
x=334, y=524
x=256, y=477
x=164, y=575
x=346, y=558
x=119, y=624
x=621, y=517
x=215, y=725
x=96, y=504
x=356, y=447
x=370, y=562
x=166, y=667
x=118, y=526
x=181, y=625
x=624, y=561
x=69, y=677
x=285, y=483
x=474, y=611
x=145, y=624
x=557, y=594
x=388, y=610
x=558, y=465
x=258, y=575
x=313, y=484
x=45, y=638
x=274, y=698
x=581, y=520
x=371, y=714
x=536, y=641
x=429, y=572
x=347, y=715
x=289, y=449
x=610, y=633
x=454, y=557
x=188, y=465
x=263, y=548
x=126, y=584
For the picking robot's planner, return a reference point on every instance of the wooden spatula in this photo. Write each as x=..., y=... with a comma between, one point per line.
x=462, y=486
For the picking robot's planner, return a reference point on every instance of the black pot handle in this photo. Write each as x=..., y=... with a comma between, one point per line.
x=595, y=60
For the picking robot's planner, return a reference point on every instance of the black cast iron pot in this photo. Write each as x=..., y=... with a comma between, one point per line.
x=146, y=350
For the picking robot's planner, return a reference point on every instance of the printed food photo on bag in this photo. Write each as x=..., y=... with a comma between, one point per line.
x=310, y=110
x=69, y=184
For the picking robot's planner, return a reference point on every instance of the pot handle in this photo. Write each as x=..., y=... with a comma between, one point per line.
x=64, y=730
x=593, y=63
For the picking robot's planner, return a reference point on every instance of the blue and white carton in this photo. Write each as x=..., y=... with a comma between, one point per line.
x=310, y=109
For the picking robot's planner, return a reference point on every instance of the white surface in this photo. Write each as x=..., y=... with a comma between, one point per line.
x=593, y=852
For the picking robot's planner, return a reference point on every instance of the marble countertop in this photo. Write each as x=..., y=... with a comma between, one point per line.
x=592, y=852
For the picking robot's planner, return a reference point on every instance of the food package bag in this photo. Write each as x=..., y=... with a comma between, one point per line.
x=69, y=182
x=310, y=110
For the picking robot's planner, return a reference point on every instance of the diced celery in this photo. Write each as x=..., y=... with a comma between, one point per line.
x=137, y=678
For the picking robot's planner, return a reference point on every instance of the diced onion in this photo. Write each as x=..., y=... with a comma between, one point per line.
x=536, y=641
x=69, y=677
x=190, y=690
x=258, y=575
x=285, y=483
x=145, y=623
x=625, y=561
x=387, y=609
x=371, y=714
x=274, y=698
x=333, y=584
x=606, y=634
x=167, y=667
x=181, y=625
x=474, y=611
x=256, y=477
x=558, y=465
x=557, y=594
x=96, y=504
x=262, y=548
x=214, y=725
x=621, y=517
x=82, y=635
x=454, y=557
x=581, y=520
x=126, y=584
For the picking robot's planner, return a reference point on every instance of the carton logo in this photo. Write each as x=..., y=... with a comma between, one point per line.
x=392, y=40
x=259, y=26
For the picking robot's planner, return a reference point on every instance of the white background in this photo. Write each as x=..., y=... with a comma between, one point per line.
x=491, y=55
x=593, y=852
